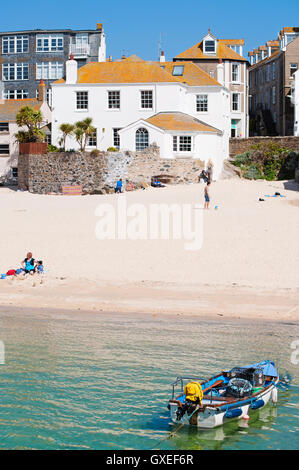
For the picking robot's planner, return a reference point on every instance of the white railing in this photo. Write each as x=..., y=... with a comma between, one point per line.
x=80, y=49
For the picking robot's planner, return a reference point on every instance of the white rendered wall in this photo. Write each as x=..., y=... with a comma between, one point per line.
x=166, y=97
x=295, y=101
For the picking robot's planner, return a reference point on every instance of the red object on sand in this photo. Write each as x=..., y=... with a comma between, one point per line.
x=11, y=272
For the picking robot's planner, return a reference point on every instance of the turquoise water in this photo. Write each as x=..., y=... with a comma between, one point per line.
x=103, y=381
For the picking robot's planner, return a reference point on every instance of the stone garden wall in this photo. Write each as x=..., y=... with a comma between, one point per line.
x=47, y=173
x=238, y=146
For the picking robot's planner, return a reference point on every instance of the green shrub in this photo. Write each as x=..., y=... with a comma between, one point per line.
x=52, y=148
x=112, y=149
x=242, y=158
x=253, y=172
x=267, y=160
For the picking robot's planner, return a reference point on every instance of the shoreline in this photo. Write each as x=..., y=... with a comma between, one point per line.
x=233, y=302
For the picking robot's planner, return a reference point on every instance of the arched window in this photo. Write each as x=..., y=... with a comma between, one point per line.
x=141, y=139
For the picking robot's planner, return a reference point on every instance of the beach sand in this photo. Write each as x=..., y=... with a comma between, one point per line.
x=247, y=267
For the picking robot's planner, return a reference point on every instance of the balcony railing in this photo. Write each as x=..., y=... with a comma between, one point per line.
x=80, y=50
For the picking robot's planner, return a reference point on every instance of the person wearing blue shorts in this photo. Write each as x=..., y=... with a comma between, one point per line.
x=207, y=195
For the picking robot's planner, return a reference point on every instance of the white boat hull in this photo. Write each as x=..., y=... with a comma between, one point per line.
x=212, y=418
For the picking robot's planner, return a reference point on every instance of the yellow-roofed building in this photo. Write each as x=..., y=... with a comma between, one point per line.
x=207, y=54
x=136, y=103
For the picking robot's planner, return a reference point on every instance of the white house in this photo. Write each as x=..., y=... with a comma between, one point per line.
x=9, y=147
x=295, y=101
x=134, y=103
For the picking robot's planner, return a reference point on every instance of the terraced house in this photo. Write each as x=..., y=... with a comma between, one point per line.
x=207, y=54
x=271, y=77
x=28, y=56
x=134, y=103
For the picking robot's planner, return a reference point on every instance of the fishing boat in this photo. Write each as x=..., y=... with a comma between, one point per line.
x=232, y=394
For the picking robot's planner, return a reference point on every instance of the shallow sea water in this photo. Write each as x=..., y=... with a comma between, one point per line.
x=99, y=381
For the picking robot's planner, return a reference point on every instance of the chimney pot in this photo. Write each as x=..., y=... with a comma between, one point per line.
x=162, y=57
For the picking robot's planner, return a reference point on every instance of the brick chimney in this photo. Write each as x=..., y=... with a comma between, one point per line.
x=42, y=91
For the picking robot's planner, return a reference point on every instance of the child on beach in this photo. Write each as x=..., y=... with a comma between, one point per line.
x=207, y=195
x=40, y=267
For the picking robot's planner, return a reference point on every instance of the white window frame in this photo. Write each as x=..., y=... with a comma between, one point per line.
x=15, y=94
x=238, y=102
x=202, y=100
x=142, y=131
x=49, y=96
x=82, y=99
x=179, y=141
x=205, y=46
x=116, y=137
x=92, y=140
x=81, y=39
x=8, y=149
x=49, y=70
x=4, y=127
x=12, y=71
x=238, y=74
x=295, y=69
x=144, y=100
x=113, y=108
x=11, y=43
x=50, y=47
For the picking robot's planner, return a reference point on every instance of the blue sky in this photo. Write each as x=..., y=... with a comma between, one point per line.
x=135, y=27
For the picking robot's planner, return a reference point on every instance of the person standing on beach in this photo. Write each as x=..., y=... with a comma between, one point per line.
x=207, y=195
x=119, y=185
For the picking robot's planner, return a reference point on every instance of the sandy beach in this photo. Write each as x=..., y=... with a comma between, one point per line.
x=247, y=267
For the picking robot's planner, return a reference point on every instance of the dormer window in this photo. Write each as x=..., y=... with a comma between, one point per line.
x=209, y=46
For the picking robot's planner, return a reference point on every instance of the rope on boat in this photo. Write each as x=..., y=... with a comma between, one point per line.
x=176, y=430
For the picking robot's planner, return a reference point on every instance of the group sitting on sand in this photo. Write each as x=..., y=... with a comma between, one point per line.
x=28, y=266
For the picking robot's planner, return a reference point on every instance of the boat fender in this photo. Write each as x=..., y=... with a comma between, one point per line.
x=233, y=413
x=274, y=395
x=257, y=404
x=245, y=417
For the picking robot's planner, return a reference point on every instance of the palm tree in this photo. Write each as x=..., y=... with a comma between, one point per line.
x=83, y=130
x=30, y=118
x=67, y=130
x=79, y=134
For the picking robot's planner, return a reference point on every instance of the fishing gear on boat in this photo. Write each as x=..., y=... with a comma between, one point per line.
x=231, y=394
